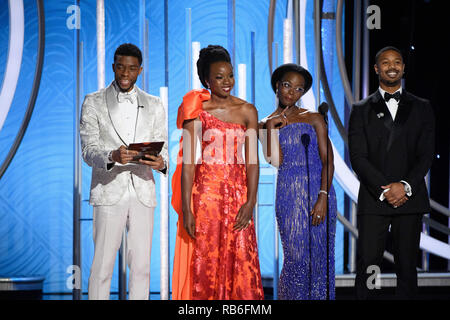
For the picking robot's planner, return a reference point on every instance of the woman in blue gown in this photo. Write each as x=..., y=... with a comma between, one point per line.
x=296, y=142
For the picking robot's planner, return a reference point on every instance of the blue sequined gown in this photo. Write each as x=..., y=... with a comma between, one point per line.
x=303, y=276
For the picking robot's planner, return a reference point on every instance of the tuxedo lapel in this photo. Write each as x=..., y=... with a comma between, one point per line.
x=404, y=108
x=381, y=110
x=113, y=110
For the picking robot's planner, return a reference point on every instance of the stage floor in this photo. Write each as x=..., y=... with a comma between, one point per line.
x=432, y=286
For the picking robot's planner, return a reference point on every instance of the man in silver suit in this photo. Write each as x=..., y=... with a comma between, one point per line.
x=122, y=190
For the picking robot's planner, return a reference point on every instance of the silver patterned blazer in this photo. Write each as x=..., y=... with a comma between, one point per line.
x=100, y=134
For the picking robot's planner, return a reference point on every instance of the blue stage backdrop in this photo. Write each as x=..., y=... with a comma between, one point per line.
x=36, y=204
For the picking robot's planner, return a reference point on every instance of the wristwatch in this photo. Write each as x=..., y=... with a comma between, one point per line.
x=163, y=170
x=110, y=159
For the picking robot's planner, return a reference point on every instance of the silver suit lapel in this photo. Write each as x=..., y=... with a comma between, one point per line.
x=113, y=110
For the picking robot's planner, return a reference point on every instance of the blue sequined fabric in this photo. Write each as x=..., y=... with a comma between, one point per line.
x=303, y=276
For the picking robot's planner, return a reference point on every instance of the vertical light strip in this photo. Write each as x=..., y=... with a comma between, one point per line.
x=425, y=227
x=365, y=58
x=100, y=44
x=14, y=60
x=194, y=79
x=188, y=50
x=146, y=83
x=242, y=81
x=308, y=101
x=288, y=35
x=317, y=48
x=253, y=58
x=297, y=30
x=253, y=98
x=276, y=272
x=77, y=175
x=287, y=41
x=231, y=7
x=166, y=42
x=357, y=49
x=270, y=31
x=143, y=38
x=164, y=211
x=231, y=27
x=196, y=84
x=356, y=94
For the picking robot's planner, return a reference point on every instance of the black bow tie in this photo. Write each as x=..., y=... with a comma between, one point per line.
x=388, y=96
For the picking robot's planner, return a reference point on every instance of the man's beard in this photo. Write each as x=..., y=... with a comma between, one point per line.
x=126, y=89
x=391, y=83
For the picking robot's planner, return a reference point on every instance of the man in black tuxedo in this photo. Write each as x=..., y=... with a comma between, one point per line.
x=391, y=144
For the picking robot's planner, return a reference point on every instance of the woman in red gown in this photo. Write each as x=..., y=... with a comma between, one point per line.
x=216, y=254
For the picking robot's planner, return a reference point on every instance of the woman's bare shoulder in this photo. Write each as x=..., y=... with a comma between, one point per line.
x=243, y=106
x=315, y=116
x=317, y=120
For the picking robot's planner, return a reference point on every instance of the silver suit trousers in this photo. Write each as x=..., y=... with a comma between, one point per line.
x=108, y=226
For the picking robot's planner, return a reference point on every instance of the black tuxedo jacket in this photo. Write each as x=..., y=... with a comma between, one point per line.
x=383, y=151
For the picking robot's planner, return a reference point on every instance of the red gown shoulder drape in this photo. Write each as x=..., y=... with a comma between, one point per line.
x=190, y=108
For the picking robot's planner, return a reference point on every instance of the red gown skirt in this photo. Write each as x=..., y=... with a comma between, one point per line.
x=225, y=264
x=220, y=263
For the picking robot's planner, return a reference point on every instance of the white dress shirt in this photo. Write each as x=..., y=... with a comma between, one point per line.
x=392, y=104
x=128, y=108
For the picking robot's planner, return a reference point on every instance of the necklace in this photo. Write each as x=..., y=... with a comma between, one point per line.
x=287, y=109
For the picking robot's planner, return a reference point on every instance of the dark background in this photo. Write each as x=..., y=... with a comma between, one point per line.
x=419, y=28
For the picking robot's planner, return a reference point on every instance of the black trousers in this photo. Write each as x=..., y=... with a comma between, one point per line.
x=371, y=243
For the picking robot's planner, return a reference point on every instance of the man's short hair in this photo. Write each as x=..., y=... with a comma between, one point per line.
x=388, y=48
x=128, y=49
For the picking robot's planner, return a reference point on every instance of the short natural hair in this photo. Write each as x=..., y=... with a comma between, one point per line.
x=279, y=73
x=128, y=49
x=388, y=48
x=207, y=56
